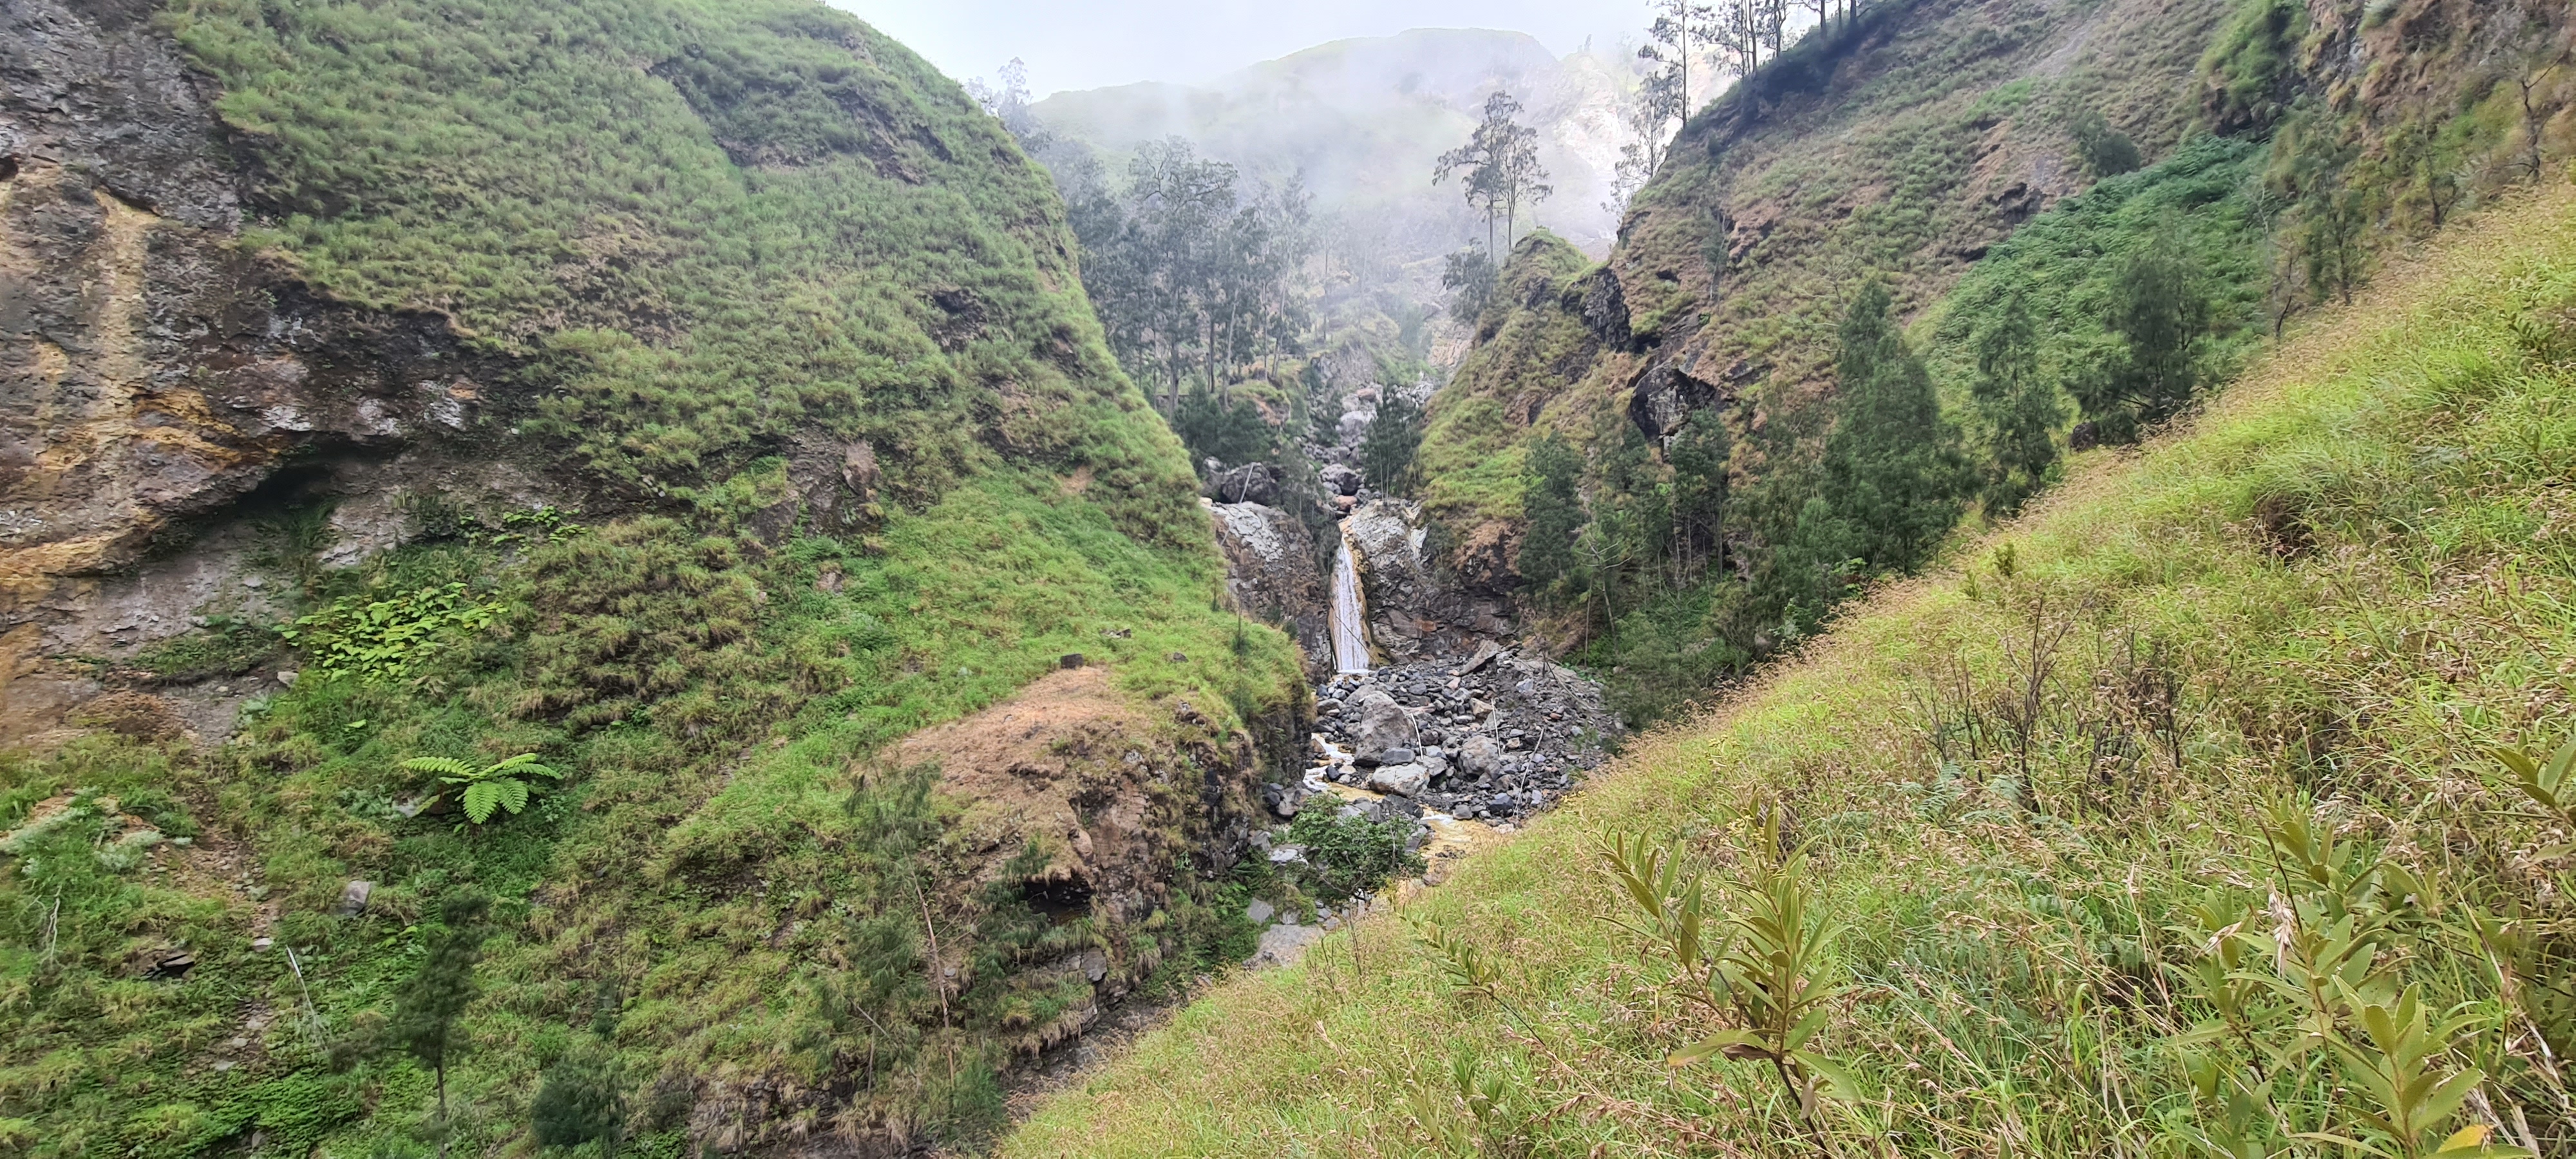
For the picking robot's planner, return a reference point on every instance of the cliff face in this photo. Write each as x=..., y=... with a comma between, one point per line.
x=154, y=374
x=697, y=396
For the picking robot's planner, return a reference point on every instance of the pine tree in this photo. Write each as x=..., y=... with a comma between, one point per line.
x=1699, y=455
x=430, y=1001
x=1893, y=471
x=2019, y=406
x=581, y=1100
x=2158, y=314
x=1553, y=504
x=1386, y=451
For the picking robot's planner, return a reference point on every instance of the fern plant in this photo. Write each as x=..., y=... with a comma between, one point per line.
x=497, y=786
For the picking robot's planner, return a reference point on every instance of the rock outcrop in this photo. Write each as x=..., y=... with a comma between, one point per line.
x=152, y=374
x=1414, y=613
x=1270, y=571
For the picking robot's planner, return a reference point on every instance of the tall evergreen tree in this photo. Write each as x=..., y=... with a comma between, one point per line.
x=1699, y=455
x=1501, y=168
x=2159, y=314
x=1552, y=501
x=431, y=1000
x=2019, y=407
x=1893, y=473
x=1386, y=451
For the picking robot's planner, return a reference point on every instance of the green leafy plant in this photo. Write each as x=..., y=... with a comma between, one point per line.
x=2547, y=784
x=496, y=785
x=1348, y=855
x=2397, y=1066
x=1764, y=968
x=381, y=638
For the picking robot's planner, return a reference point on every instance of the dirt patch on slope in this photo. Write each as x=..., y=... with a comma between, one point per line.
x=1038, y=765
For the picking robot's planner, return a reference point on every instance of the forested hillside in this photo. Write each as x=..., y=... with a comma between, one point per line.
x=574, y=445
x=2075, y=216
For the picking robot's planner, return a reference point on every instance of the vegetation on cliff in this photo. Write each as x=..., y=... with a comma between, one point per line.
x=1958, y=153
x=799, y=326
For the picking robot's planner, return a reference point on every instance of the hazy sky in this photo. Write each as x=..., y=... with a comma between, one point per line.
x=1081, y=44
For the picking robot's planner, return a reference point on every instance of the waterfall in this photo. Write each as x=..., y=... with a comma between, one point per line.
x=1349, y=617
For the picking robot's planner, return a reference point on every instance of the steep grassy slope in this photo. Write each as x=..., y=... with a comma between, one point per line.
x=797, y=327
x=2199, y=707
x=1931, y=146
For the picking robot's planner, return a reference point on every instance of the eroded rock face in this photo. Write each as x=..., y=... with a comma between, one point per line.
x=1270, y=570
x=1116, y=790
x=1412, y=613
x=1664, y=394
x=151, y=372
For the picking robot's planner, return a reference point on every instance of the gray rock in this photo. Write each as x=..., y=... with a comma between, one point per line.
x=1339, y=479
x=1395, y=756
x=1249, y=483
x=1259, y=911
x=1382, y=725
x=1480, y=756
x=353, y=898
x=1282, y=945
x=1403, y=780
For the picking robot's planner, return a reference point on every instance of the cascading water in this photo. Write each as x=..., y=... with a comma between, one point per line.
x=1348, y=618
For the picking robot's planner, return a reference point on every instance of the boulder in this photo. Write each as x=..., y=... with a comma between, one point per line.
x=1402, y=780
x=1382, y=724
x=1481, y=756
x=1282, y=945
x=1340, y=479
x=1249, y=483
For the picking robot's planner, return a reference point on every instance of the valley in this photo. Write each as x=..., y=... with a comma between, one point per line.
x=662, y=577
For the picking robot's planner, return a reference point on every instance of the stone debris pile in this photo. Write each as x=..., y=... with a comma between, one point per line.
x=1489, y=737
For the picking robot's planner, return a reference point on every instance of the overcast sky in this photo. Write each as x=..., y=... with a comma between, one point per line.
x=1082, y=44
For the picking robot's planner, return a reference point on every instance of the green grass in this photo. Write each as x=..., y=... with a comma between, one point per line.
x=2352, y=573
x=2066, y=263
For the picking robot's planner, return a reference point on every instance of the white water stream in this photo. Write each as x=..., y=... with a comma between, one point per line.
x=1348, y=617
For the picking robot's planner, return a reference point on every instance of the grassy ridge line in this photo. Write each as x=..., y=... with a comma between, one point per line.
x=1983, y=946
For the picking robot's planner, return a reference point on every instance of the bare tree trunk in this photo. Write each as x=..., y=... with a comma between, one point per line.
x=2531, y=127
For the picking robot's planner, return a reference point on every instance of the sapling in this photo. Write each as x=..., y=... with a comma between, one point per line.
x=430, y=1001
